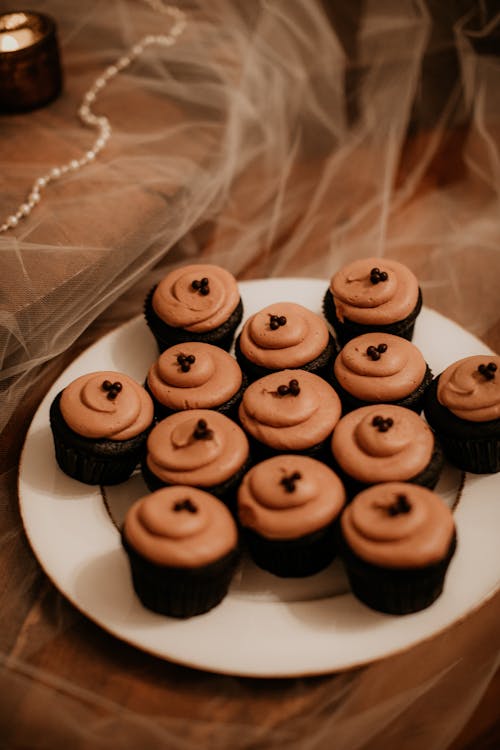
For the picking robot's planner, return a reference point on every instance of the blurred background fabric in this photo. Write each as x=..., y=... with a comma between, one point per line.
x=275, y=138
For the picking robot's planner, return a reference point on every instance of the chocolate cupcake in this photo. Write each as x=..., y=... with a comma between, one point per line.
x=378, y=368
x=283, y=336
x=397, y=540
x=195, y=376
x=200, y=448
x=287, y=508
x=99, y=425
x=290, y=411
x=194, y=303
x=385, y=443
x=182, y=547
x=373, y=295
x=463, y=406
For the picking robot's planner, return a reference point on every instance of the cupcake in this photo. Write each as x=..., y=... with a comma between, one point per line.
x=290, y=411
x=373, y=294
x=200, y=448
x=397, y=540
x=194, y=303
x=283, y=336
x=287, y=508
x=385, y=443
x=195, y=376
x=182, y=547
x=100, y=423
x=378, y=368
x=463, y=406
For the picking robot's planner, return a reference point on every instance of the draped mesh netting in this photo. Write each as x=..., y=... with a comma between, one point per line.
x=277, y=137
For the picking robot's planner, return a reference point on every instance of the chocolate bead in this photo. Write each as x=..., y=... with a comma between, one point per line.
x=186, y=504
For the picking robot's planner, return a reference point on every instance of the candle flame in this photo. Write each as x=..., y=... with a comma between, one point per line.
x=8, y=43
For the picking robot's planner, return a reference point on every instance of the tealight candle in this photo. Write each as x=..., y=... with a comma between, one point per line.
x=30, y=71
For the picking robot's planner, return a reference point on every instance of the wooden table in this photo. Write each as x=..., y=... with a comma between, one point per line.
x=65, y=682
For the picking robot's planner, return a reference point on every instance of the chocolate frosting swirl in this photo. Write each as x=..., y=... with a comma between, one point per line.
x=213, y=378
x=300, y=340
x=176, y=456
x=358, y=299
x=180, y=526
x=467, y=393
x=266, y=506
x=290, y=422
x=180, y=305
x=371, y=455
x=87, y=409
x=398, y=371
x=418, y=537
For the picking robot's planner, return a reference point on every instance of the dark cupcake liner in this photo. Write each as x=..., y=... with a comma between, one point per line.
x=395, y=591
x=229, y=408
x=167, y=336
x=414, y=400
x=320, y=365
x=348, y=329
x=428, y=477
x=94, y=461
x=180, y=592
x=471, y=446
x=293, y=558
x=225, y=491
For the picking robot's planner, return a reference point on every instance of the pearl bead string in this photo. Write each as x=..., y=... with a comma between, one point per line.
x=89, y=119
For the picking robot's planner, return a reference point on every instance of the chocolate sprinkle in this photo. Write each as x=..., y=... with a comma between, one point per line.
x=382, y=424
x=488, y=371
x=374, y=352
x=186, y=504
x=288, y=482
x=376, y=275
x=202, y=431
x=292, y=389
x=276, y=321
x=185, y=362
x=113, y=389
x=400, y=505
x=201, y=286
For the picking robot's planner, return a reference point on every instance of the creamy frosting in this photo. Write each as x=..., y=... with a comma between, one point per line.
x=213, y=378
x=180, y=526
x=89, y=408
x=176, y=456
x=467, y=393
x=361, y=301
x=379, y=534
x=313, y=499
x=372, y=452
x=293, y=343
x=288, y=422
x=395, y=374
x=180, y=305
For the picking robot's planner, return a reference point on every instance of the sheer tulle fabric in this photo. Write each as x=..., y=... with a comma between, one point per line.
x=275, y=138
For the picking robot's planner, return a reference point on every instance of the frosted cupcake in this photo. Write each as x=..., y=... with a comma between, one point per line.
x=182, y=547
x=283, y=336
x=199, y=302
x=378, y=368
x=385, y=443
x=99, y=424
x=373, y=294
x=287, y=508
x=195, y=376
x=463, y=406
x=200, y=448
x=397, y=542
x=290, y=411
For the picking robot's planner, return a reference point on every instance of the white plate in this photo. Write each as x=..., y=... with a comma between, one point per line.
x=266, y=626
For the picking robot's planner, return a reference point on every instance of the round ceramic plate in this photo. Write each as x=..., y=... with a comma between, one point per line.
x=266, y=626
